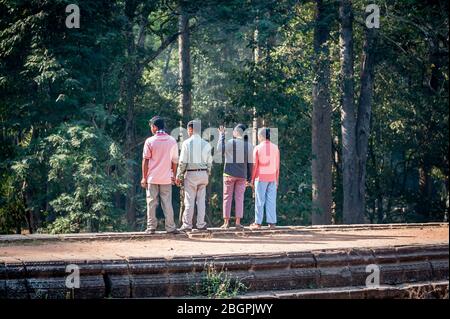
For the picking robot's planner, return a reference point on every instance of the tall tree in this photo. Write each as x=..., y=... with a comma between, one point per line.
x=363, y=122
x=321, y=118
x=185, y=76
x=355, y=124
x=184, y=63
x=137, y=58
x=348, y=112
x=131, y=77
x=256, y=120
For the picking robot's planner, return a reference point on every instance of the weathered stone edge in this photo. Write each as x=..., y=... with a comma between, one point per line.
x=159, y=277
x=212, y=232
x=420, y=290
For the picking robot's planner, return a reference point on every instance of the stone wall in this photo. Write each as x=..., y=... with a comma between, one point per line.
x=177, y=277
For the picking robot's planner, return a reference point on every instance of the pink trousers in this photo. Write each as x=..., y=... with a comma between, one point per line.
x=233, y=185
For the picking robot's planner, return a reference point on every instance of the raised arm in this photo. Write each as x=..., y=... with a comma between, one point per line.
x=221, y=144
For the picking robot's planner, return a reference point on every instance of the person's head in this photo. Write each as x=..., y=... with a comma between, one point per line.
x=239, y=130
x=264, y=134
x=193, y=127
x=156, y=123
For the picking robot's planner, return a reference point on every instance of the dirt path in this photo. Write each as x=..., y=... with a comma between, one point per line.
x=298, y=241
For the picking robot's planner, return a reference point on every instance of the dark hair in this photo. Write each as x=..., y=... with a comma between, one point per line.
x=265, y=132
x=194, y=124
x=242, y=127
x=158, y=122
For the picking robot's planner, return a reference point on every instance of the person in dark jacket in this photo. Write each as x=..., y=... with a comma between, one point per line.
x=237, y=172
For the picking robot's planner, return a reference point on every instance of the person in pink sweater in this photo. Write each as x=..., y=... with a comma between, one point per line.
x=265, y=177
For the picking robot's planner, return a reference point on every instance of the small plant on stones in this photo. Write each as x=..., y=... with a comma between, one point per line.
x=219, y=284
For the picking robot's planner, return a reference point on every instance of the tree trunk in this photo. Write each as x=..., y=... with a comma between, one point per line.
x=130, y=136
x=32, y=215
x=134, y=67
x=424, y=204
x=363, y=120
x=348, y=116
x=184, y=59
x=355, y=124
x=337, y=167
x=130, y=140
x=425, y=189
x=256, y=120
x=185, y=80
x=167, y=62
x=321, y=121
x=378, y=200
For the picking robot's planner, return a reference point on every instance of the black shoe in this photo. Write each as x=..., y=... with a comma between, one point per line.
x=150, y=231
x=174, y=232
x=202, y=229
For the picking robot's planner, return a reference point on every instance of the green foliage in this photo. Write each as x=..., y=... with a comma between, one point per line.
x=59, y=87
x=219, y=285
x=12, y=210
x=64, y=105
x=87, y=163
x=83, y=168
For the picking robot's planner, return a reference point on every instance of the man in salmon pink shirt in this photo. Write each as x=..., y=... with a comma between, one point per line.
x=159, y=163
x=266, y=172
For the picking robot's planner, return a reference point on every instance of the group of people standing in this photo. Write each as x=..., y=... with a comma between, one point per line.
x=245, y=166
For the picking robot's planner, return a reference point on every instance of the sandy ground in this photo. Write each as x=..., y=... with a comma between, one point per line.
x=299, y=241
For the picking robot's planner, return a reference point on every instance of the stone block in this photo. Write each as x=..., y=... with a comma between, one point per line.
x=117, y=279
x=149, y=285
x=421, y=253
x=285, y=279
x=16, y=283
x=184, y=284
x=359, y=275
x=440, y=269
x=384, y=255
x=280, y=261
x=335, y=277
x=2, y=280
x=301, y=259
x=360, y=256
x=305, y=278
x=232, y=263
x=331, y=258
x=417, y=272
x=147, y=265
x=179, y=265
x=394, y=274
